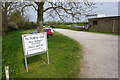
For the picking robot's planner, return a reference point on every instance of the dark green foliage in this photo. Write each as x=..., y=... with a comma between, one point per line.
x=15, y=17
x=17, y=22
x=63, y=25
x=23, y=25
x=12, y=26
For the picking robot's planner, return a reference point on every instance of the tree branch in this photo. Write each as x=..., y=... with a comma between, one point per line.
x=52, y=8
x=59, y=15
x=73, y=9
x=50, y=14
x=30, y=5
x=3, y=6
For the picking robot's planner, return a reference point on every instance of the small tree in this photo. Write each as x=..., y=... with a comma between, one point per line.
x=15, y=17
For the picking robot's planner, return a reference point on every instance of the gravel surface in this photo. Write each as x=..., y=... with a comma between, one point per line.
x=100, y=53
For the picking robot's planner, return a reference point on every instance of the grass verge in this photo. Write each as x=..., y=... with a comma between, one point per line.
x=103, y=32
x=64, y=53
x=94, y=31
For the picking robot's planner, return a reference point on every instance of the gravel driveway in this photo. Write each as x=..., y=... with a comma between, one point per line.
x=100, y=53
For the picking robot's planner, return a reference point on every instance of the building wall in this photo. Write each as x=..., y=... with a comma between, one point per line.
x=104, y=25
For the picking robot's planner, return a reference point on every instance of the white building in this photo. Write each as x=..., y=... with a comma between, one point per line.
x=94, y=16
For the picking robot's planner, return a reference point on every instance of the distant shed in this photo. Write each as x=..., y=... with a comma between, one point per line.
x=105, y=24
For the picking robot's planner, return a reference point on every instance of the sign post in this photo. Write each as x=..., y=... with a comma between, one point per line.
x=26, y=64
x=34, y=44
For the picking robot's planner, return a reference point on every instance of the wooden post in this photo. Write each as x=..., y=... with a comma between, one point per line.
x=7, y=72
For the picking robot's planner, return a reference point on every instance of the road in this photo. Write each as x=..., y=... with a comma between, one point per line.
x=100, y=53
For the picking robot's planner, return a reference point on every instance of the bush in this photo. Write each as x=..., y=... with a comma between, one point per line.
x=22, y=25
x=62, y=26
x=25, y=25
x=12, y=26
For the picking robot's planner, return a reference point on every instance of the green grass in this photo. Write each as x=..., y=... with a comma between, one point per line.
x=46, y=26
x=64, y=55
x=95, y=31
x=103, y=32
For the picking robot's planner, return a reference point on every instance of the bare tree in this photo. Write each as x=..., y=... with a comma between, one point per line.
x=66, y=10
x=4, y=15
x=7, y=9
x=61, y=9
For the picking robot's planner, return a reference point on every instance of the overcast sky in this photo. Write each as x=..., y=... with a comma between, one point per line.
x=108, y=8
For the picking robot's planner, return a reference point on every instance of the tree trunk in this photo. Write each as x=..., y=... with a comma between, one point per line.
x=5, y=19
x=40, y=16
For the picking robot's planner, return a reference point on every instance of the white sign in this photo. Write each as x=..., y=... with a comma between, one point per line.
x=34, y=44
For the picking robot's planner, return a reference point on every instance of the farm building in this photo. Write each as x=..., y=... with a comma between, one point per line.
x=105, y=24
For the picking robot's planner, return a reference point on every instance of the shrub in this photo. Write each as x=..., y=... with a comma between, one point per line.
x=12, y=26
x=25, y=25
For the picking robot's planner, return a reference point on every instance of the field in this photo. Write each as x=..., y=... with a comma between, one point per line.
x=64, y=55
